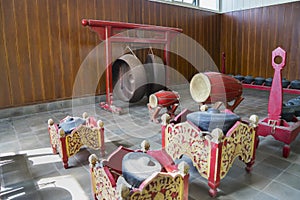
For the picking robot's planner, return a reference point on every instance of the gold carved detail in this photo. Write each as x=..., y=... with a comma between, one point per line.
x=73, y=143
x=239, y=143
x=162, y=186
x=104, y=188
x=83, y=135
x=185, y=139
x=90, y=137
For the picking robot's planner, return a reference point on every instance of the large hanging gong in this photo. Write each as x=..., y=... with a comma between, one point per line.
x=155, y=70
x=129, y=78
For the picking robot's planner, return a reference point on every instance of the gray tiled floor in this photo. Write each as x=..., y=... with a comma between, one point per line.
x=28, y=165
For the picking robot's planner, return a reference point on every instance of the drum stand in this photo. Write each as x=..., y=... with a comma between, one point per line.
x=154, y=112
x=107, y=30
x=273, y=125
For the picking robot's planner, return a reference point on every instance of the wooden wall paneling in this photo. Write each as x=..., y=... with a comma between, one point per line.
x=190, y=50
x=249, y=48
x=257, y=32
x=228, y=46
x=78, y=8
x=287, y=39
x=98, y=60
x=238, y=43
x=297, y=42
x=280, y=36
x=45, y=63
x=216, y=39
x=84, y=75
x=223, y=45
x=234, y=27
x=174, y=58
x=261, y=39
x=22, y=54
x=99, y=13
x=273, y=12
x=55, y=49
x=192, y=46
x=181, y=65
x=65, y=46
x=184, y=67
x=34, y=46
x=198, y=36
x=294, y=31
x=202, y=39
x=252, y=44
x=266, y=44
x=73, y=27
x=5, y=100
x=11, y=50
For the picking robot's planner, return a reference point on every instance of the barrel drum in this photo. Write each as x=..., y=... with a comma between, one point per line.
x=163, y=99
x=213, y=87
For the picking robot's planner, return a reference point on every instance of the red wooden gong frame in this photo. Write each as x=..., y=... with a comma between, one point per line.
x=106, y=31
x=273, y=124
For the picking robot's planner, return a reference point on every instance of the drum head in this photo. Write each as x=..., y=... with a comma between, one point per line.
x=200, y=87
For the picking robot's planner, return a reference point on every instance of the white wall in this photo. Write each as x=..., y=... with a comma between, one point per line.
x=233, y=5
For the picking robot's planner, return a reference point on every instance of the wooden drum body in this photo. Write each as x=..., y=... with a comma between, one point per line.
x=214, y=87
x=161, y=99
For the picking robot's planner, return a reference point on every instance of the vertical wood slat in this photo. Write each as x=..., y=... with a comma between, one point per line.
x=260, y=31
x=11, y=52
x=22, y=57
x=34, y=46
x=5, y=88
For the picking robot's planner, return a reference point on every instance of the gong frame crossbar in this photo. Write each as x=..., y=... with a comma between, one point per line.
x=107, y=30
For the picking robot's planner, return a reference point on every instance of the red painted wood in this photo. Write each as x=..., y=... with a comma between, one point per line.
x=267, y=88
x=273, y=125
x=64, y=155
x=166, y=98
x=275, y=99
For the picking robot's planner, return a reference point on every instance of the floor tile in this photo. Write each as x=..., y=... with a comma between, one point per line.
x=282, y=191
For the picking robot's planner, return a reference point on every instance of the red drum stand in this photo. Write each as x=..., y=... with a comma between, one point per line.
x=273, y=125
x=161, y=99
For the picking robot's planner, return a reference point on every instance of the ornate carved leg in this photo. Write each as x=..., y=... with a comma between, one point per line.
x=52, y=143
x=249, y=165
x=286, y=150
x=102, y=148
x=54, y=149
x=52, y=134
x=213, y=188
x=215, y=165
x=64, y=155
